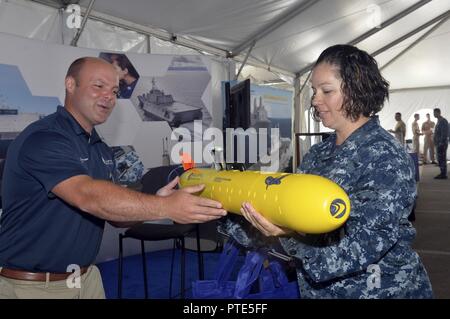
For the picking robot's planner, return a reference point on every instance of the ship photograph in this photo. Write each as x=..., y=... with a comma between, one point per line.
x=156, y=105
x=18, y=106
x=179, y=97
x=270, y=111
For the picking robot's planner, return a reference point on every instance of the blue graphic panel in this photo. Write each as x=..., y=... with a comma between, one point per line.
x=15, y=94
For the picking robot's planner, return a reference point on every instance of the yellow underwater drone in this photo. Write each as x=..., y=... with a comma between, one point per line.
x=302, y=202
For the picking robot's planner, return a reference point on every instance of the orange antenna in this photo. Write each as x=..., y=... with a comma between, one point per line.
x=187, y=161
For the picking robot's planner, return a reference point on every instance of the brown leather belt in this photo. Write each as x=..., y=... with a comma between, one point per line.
x=37, y=276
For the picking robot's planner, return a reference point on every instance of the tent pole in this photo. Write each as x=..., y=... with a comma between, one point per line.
x=263, y=65
x=409, y=34
x=423, y=88
x=304, y=84
x=149, y=46
x=158, y=33
x=166, y=36
x=395, y=18
x=83, y=24
x=273, y=26
x=426, y=34
x=245, y=60
x=375, y=30
x=297, y=125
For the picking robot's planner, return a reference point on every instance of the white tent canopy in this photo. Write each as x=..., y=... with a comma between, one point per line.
x=288, y=35
x=283, y=37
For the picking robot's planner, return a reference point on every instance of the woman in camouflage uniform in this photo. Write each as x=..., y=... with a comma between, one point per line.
x=371, y=255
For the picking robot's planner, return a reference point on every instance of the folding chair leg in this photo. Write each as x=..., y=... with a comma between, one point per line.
x=201, y=271
x=171, y=269
x=183, y=268
x=144, y=268
x=119, y=282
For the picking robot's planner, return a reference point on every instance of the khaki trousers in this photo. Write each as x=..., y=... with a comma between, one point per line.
x=89, y=286
x=416, y=145
x=428, y=147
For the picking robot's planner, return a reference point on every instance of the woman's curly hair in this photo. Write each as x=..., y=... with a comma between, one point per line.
x=364, y=88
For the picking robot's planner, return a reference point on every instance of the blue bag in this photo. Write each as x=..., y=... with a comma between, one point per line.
x=220, y=287
x=260, y=277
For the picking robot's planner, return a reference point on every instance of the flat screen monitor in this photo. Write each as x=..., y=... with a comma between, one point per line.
x=237, y=114
x=237, y=108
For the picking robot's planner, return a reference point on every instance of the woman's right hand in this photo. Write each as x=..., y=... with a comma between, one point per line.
x=261, y=223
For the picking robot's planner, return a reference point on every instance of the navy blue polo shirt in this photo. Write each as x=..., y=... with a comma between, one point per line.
x=39, y=231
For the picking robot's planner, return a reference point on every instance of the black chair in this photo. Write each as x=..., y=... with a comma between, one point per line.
x=154, y=179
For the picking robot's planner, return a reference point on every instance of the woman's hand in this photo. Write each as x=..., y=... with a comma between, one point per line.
x=261, y=223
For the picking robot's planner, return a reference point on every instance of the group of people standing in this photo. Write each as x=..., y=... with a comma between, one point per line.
x=435, y=136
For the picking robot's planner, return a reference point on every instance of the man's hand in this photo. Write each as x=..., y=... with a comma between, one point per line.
x=183, y=207
x=169, y=188
x=261, y=223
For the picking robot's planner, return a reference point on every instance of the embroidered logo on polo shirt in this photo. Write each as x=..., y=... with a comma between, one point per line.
x=107, y=162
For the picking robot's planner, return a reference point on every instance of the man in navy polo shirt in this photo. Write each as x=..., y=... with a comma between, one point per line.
x=57, y=194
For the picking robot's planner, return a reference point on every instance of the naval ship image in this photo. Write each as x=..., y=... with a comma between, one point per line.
x=260, y=119
x=259, y=116
x=160, y=106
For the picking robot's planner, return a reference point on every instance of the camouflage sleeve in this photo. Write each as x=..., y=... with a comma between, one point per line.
x=441, y=132
x=244, y=233
x=308, y=159
x=381, y=195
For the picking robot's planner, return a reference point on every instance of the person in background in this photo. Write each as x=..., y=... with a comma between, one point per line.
x=400, y=128
x=128, y=75
x=428, y=144
x=58, y=191
x=441, y=142
x=371, y=255
x=416, y=134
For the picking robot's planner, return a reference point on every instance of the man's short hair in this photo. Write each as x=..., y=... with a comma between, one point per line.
x=437, y=110
x=75, y=68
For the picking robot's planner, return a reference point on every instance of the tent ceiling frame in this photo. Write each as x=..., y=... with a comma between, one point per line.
x=410, y=34
x=145, y=30
x=245, y=60
x=52, y=4
x=372, y=31
x=170, y=37
x=388, y=22
x=266, y=66
x=416, y=42
x=258, y=35
x=438, y=87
